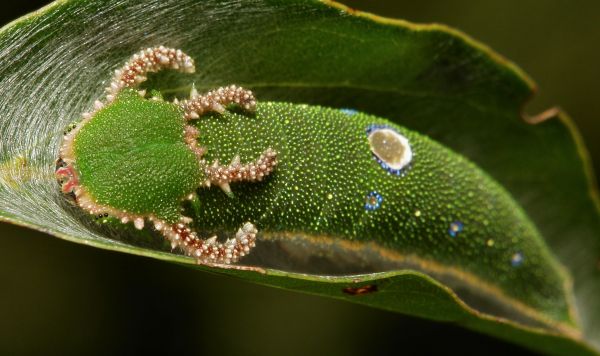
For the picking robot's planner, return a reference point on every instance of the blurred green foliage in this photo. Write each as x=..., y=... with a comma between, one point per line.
x=62, y=298
x=554, y=41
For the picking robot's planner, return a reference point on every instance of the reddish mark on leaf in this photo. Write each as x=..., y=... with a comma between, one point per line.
x=369, y=288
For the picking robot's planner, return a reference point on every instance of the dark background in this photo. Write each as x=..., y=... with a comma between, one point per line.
x=62, y=298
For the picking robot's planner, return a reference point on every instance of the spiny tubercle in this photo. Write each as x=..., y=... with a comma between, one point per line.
x=216, y=100
x=235, y=171
x=209, y=250
x=148, y=60
x=191, y=139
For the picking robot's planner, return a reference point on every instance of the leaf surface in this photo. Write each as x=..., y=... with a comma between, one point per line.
x=428, y=78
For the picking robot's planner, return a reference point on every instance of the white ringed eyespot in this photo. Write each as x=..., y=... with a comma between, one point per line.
x=390, y=148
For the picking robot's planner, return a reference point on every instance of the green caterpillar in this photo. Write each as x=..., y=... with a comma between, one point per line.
x=333, y=191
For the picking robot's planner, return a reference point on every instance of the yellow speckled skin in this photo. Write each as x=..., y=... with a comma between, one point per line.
x=327, y=172
x=440, y=208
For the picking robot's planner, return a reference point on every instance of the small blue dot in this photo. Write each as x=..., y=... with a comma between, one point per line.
x=373, y=201
x=349, y=112
x=455, y=228
x=517, y=259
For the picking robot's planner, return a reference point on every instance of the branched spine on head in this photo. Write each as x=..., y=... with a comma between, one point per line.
x=237, y=172
x=217, y=100
x=134, y=72
x=209, y=251
x=149, y=60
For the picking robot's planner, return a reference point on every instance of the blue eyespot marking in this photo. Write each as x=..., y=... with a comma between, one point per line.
x=373, y=201
x=517, y=259
x=455, y=228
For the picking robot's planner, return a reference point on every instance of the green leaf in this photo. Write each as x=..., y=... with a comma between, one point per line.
x=428, y=78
